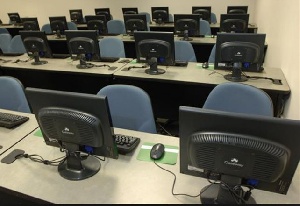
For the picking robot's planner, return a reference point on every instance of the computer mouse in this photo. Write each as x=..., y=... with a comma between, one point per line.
x=205, y=65
x=157, y=151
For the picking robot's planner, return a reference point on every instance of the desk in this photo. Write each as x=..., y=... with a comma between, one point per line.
x=12, y=29
x=124, y=180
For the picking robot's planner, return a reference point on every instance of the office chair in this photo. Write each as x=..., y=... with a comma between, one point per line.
x=116, y=27
x=47, y=29
x=184, y=51
x=204, y=27
x=12, y=95
x=5, y=40
x=71, y=25
x=148, y=16
x=130, y=107
x=171, y=19
x=16, y=45
x=240, y=98
x=212, y=55
x=213, y=18
x=112, y=47
x=4, y=31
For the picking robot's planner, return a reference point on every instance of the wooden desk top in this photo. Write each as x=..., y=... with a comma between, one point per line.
x=124, y=180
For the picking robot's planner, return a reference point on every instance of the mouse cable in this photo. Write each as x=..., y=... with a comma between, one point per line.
x=173, y=186
x=40, y=159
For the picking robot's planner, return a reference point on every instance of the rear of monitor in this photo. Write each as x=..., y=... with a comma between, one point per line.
x=237, y=9
x=135, y=22
x=76, y=16
x=58, y=25
x=203, y=11
x=30, y=24
x=97, y=22
x=187, y=25
x=103, y=11
x=160, y=15
x=14, y=18
x=130, y=10
x=234, y=23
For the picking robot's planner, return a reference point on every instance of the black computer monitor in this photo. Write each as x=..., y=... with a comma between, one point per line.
x=77, y=123
x=76, y=16
x=239, y=52
x=160, y=15
x=14, y=18
x=203, y=11
x=58, y=25
x=135, y=22
x=30, y=24
x=130, y=10
x=235, y=151
x=155, y=48
x=237, y=9
x=187, y=25
x=36, y=45
x=104, y=11
x=234, y=23
x=83, y=45
x=97, y=22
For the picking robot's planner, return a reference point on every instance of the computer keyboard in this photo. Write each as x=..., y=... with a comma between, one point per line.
x=126, y=143
x=9, y=120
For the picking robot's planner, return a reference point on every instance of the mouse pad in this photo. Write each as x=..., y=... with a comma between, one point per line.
x=170, y=156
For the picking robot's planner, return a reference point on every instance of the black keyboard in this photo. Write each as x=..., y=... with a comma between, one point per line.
x=126, y=143
x=9, y=120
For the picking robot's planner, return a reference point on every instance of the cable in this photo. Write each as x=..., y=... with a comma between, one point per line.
x=168, y=133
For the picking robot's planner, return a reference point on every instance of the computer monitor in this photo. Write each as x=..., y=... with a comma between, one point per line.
x=160, y=15
x=235, y=151
x=130, y=10
x=14, y=18
x=203, y=11
x=83, y=45
x=155, y=48
x=234, y=23
x=237, y=9
x=36, y=45
x=135, y=22
x=58, y=25
x=239, y=52
x=187, y=25
x=104, y=11
x=77, y=123
x=76, y=16
x=30, y=24
x=97, y=22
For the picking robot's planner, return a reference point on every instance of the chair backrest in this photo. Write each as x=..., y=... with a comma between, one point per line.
x=184, y=51
x=239, y=98
x=12, y=95
x=130, y=107
x=5, y=40
x=112, y=47
x=204, y=27
x=171, y=18
x=47, y=29
x=148, y=16
x=116, y=27
x=71, y=25
x=16, y=45
x=4, y=31
x=213, y=18
x=212, y=55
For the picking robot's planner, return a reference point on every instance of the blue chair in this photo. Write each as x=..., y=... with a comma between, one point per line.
x=184, y=51
x=212, y=55
x=148, y=16
x=171, y=18
x=47, y=29
x=71, y=26
x=239, y=98
x=112, y=47
x=130, y=107
x=12, y=95
x=116, y=27
x=204, y=27
x=4, y=31
x=16, y=45
x=213, y=18
x=5, y=40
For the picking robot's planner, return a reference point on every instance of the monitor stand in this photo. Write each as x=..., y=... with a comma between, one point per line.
x=153, y=67
x=236, y=74
x=186, y=36
x=37, y=60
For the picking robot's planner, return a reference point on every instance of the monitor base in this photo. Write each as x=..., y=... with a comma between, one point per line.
x=155, y=72
x=232, y=78
x=39, y=63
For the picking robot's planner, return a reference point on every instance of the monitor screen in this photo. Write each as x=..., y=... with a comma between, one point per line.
x=77, y=123
x=160, y=15
x=83, y=45
x=237, y=9
x=14, y=18
x=58, y=25
x=30, y=24
x=239, y=52
x=203, y=11
x=155, y=48
x=97, y=22
x=76, y=16
x=187, y=25
x=130, y=10
x=135, y=22
x=104, y=11
x=36, y=45
x=234, y=23
x=234, y=150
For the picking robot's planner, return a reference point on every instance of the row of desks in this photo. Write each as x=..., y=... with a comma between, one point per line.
x=178, y=86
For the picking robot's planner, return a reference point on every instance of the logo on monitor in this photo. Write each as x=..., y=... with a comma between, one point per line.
x=66, y=130
x=233, y=162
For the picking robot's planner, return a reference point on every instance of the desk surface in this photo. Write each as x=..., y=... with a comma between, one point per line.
x=125, y=180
